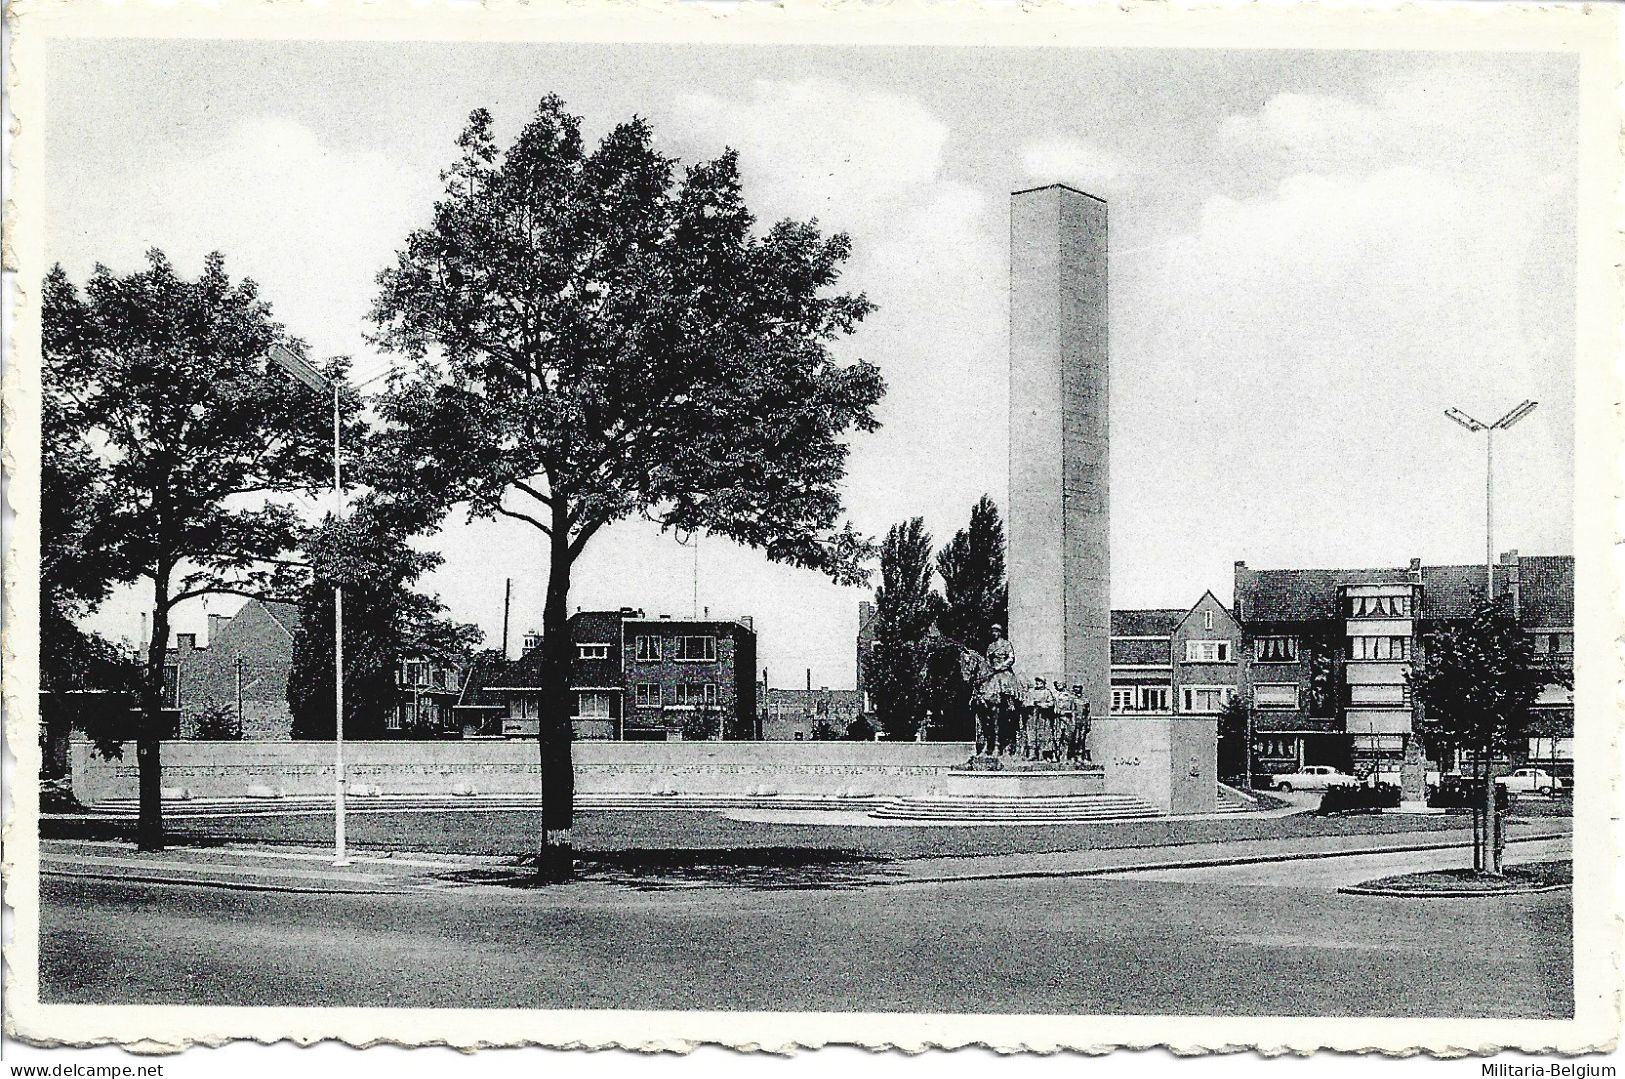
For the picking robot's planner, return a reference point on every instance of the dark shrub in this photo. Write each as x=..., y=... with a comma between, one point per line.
x=1453, y=792
x=1360, y=799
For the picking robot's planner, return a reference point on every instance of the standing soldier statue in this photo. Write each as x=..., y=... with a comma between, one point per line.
x=1004, y=688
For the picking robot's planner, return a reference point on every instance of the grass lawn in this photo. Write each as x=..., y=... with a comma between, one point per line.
x=1517, y=878
x=615, y=837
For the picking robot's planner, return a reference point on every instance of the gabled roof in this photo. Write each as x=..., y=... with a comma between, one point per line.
x=283, y=614
x=474, y=694
x=1546, y=590
x=1155, y=622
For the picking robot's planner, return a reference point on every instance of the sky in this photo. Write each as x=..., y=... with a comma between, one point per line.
x=1312, y=256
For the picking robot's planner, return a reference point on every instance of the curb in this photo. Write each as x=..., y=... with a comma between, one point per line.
x=1452, y=893
x=1205, y=863
x=223, y=885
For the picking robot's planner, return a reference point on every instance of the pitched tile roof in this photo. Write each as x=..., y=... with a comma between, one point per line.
x=1298, y=595
x=1546, y=590
x=1151, y=622
x=475, y=693
x=1457, y=591
x=1140, y=653
x=286, y=615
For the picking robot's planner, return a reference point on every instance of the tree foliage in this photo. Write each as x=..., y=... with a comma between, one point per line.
x=385, y=621
x=906, y=607
x=598, y=336
x=1478, y=683
x=975, y=597
x=164, y=382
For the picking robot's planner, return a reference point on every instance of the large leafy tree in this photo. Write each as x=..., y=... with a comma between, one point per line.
x=165, y=382
x=974, y=594
x=1477, y=685
x=597, y=336
x=906, y=608
x=385, y=620
x=85, y=681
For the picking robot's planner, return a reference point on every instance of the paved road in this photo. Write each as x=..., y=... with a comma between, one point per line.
x=1090, y=945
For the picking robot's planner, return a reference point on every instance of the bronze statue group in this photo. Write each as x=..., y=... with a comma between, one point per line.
x=1046, y=721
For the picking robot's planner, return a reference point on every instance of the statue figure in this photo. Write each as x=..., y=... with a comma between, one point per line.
x=1077, y=741
x=989, y=681
x=1040, y=711
x=1004, y=687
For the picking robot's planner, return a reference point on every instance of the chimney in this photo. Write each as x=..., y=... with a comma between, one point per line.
x=707, y=611
x=185, y=642
x=1416, y=571
x=1514, y=581
x=217, y=622
x=665, y=617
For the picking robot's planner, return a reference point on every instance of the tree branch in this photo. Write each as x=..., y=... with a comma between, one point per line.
x=516, y=515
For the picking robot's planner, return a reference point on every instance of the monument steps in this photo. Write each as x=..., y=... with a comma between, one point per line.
x=1032, y=809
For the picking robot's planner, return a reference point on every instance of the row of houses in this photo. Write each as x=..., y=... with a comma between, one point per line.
x=1322, y=656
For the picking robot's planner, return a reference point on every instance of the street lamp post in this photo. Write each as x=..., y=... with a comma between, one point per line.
x=299, y=369
x=1489, y=429
x=1488, y=855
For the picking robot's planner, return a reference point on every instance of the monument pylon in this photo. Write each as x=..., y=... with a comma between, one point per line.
x=1060, y=491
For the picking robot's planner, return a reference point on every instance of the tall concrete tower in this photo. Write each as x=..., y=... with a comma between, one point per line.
x=1059, y=558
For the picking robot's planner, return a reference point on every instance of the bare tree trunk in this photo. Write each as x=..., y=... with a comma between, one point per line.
x=149, y=829
x=556, y=860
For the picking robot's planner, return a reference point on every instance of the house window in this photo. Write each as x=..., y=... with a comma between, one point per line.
x=696, y=649
x=648, y=693
x=695, y=694
x=1275, y=650
x=392, y=720
x=592, y=705
x=648, y=649
x=1207, y=651
x=1276, y=748
x=1153, y=698
x=1379, y=647
x=1205, y=699
x=1207, y=619
x=592, y=651
x=1379, y=606
x=1547, y=643
x=1366, y=696
x=1123, y=700
x=1276, y=695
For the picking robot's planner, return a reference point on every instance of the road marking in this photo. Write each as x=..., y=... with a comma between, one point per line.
x=211, y=867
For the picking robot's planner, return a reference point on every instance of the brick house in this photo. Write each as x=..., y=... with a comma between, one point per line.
x=242, y=669
x=796, y=714
x=635, y=678
x=865, y=644
x=1172, y=661
x=1330, y=653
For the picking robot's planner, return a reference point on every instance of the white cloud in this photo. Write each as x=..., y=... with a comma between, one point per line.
x=1077, y=162
x=815, y=147
x=312, y=224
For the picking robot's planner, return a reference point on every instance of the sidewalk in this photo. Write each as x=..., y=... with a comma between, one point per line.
x=1196, y=855
x=308, y=870
x=248, y=868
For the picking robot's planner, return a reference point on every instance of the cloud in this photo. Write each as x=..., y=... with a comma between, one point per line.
x=310, y=222
x=1077, y=162
x=815, y=147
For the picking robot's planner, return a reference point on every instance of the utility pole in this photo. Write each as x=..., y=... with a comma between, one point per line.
x=507, y=600
x=239, y=666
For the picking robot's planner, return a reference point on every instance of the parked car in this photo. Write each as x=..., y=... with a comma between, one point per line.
x=1314, y=777
x=1531, y=781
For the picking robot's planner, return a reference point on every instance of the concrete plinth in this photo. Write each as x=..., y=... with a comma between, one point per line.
x=1023, y=783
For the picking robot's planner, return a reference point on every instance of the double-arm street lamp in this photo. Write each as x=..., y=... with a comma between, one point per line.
x=308, y=375
x=1489, y=430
